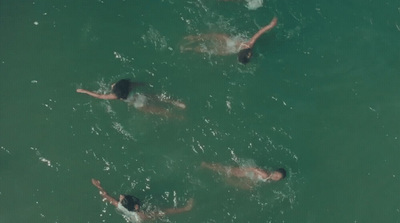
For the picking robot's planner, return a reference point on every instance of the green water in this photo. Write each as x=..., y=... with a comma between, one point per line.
x=319, y=98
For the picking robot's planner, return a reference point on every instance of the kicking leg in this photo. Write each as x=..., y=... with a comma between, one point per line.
x=216, y=167
x=187, y=207
x=173, y=102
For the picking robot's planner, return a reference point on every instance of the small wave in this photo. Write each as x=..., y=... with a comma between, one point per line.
x=5, y=150
x=48, y=162
x=117, y=126
x=154, y=37
x=122, y=58
x=108, y=165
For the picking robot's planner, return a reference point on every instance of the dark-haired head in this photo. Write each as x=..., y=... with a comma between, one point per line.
x=245, y=55
x=122, y=88
x=129, y=202
x=282, y=171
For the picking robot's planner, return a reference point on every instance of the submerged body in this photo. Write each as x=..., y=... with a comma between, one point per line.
x=222, y=44
x=124, y=90
x=129, y=206
x=137, y=100
x=216, y=44
x=253, y=175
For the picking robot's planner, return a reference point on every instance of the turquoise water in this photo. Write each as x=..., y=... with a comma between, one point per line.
x=320, y=98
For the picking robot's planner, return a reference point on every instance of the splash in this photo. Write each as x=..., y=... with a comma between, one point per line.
x=122, y=58
x=5, y=150
x=41, y=158
x=155, y=38
x=254, y=4
x=117, y=126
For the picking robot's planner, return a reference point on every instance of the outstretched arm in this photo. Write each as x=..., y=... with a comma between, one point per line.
x=173, y=102
x=162, y=213
x=104, y=194
x=100, y=96
x=262, y=31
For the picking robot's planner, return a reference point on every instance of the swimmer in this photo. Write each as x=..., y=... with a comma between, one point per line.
x=222, y=44
x=123, y=90
x=253, y=174
x=129, y=206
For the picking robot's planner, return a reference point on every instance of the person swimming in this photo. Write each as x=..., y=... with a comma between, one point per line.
x=222, y=44
x=129, y=206
x=123, y=90
x=254, y=174
x=119, y=90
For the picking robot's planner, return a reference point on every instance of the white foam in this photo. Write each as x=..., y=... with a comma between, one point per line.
x=254, y=4
x=117, y=126
x=4, y=149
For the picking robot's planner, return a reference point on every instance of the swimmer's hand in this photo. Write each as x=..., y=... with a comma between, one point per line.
x=96, y=183
x=81, y=90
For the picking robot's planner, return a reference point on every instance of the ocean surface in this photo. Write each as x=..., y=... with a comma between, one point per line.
x=320, y=98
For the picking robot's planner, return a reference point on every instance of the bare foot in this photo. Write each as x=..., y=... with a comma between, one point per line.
x=206, y=165
x=190, y=37
x=189, y=205
x=179, y=104
x=184, y=49
x=80, y=90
